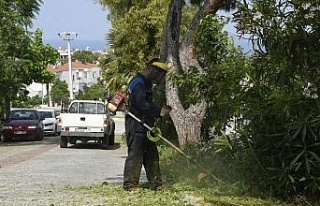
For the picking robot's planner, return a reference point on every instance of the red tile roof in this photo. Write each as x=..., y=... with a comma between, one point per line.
x=74, y=65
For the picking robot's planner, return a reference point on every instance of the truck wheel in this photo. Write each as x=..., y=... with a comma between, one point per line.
x=104, y=142
x=63, y=142
x=73, y=140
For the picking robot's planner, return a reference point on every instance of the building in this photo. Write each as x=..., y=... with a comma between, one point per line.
x=36, y=89
x=83, y=74
x=64, y=53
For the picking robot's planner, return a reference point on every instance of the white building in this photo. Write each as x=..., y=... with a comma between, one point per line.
x=36, y=89
x=64, y=53
x=83, y=74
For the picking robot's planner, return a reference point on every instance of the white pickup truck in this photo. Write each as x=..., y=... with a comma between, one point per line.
x=86, y=120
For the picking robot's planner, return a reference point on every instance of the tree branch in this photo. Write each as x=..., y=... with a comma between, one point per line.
x=187, y=47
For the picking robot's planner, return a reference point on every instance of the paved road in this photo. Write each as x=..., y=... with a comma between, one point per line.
x=30, y=167
x=119, y=121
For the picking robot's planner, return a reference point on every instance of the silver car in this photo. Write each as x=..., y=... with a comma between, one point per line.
x=50, y=122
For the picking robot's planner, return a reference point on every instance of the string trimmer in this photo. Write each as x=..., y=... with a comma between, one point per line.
x=154, y=134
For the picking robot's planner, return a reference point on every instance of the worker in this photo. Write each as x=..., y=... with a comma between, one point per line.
x=142, y=151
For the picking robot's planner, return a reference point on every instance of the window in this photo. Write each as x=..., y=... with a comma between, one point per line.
x=59, y=74
x=80, y=75
x=100, y=109
x=74, y=108
x=91, y=108
x=23, y=115
x=32, y=116
x=46, y=114
x=57, y=113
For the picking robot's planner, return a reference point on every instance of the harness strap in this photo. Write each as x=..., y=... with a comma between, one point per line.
x=132, y=85
x=135, y=82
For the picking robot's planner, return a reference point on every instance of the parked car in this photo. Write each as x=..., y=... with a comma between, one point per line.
x=23, y=124
x=50, y=122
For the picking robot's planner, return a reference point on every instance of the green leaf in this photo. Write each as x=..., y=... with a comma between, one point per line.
x=297, y=157
x=291, y=179
x=314, y=155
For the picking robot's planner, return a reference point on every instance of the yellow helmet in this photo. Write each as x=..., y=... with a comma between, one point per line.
x=161, y=65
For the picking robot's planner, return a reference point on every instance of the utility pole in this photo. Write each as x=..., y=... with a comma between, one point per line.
x=68, y=36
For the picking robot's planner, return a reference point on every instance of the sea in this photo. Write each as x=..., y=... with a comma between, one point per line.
x=76, y=44
x=98, y=45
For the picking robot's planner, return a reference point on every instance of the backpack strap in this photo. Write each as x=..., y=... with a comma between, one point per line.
x=135, y=82
x=132, y=85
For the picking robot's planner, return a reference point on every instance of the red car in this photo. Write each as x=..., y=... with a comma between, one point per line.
x=23, y=124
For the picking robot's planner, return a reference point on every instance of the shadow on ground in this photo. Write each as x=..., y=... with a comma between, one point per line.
x=92, y=145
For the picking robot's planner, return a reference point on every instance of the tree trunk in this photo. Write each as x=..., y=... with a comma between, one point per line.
x=187, y=122
x=2, y=107
x=48, y=94
x=181, y=57
x=7, y=105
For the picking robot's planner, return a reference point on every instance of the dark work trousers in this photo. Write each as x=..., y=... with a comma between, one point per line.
x=141, y=151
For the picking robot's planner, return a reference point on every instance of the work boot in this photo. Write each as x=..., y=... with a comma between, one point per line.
x=157, y=186
x=130, y=187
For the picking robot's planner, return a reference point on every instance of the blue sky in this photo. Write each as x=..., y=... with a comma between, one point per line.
x=84, y=17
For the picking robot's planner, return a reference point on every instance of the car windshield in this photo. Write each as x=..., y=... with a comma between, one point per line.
x=46, y=114
x=87, y=108
x=23, y=115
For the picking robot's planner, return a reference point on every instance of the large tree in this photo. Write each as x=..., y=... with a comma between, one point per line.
x=42, y=55
x=59, y=91
x=132, y=41
x=180, y=53
x=23, y=57
x=94, y=92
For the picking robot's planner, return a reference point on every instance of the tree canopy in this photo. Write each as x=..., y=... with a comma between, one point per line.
x=281, y=98
x=135, y=38
x=23, y=55
x=59, y=91
x=94, y=92
x=85, y=56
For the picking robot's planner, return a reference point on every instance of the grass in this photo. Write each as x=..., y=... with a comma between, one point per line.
x=179, y=195
x=186, y=187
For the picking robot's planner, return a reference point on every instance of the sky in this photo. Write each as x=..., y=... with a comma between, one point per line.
x=87, y=19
